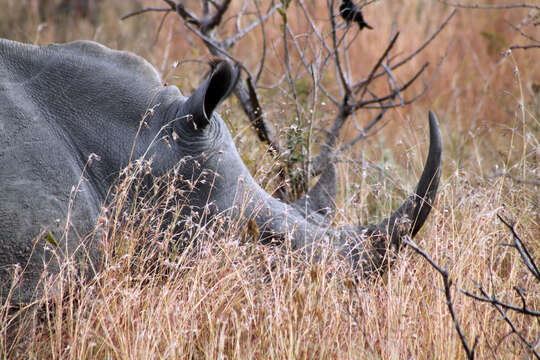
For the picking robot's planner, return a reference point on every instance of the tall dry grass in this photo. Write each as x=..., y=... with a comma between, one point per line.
x=228, y=297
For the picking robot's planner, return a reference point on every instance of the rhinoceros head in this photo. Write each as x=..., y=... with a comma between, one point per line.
x=230, y=188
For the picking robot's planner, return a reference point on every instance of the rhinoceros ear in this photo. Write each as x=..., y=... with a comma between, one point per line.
x=219, y=85
x=321, y=198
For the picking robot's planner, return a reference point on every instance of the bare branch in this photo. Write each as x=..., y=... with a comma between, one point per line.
x=415, y=52
x=394, y=81
x=493, y=300
x=511, y=324
x=327, y=153
x=171, y=3
x=393, y=93
x=427, y=42
x=205, y=8
x=424, y=90
x=246, y=94
x=313, y=27
x=233, y=39
x=211, y=21
x=490, y=7
x=187, y=15
x=326, y=47
x=378, y=63
x=263, y=34
x=524, y=47
x=518, y=29
x=522, y=249
x=144, y=10
x=335, y=51
x=447, y=286
x=364, y=132
x=287, y=61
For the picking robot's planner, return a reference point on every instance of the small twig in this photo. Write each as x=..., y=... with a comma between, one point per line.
x=493, y=300
x=186, y=15
x=511, y=324
x=393, y=93
x=415, y=52
x=363, y=133
x=524, y=47
x=501, y=306
x=378, y=63
x=426, y=86
x=263, y=34
x=447, y=285
x=522, y=249
x=211, y=21
x=526, y=36
x=521, y=296
x=160, y=27
x=490, y=7
x=339, y=67
x=142, y=11
x=205, y=8
x=233, y=39
x=393, y=79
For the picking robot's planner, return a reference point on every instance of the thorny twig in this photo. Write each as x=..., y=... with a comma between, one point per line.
x=413, y=53
x=348, y=105
x=485, y=297
x=447, y=287
x=494, y=301
x=522, y=249
x=510, y=323
x=245, y=92
x=326, y=49
x=490, y=7
x=536, y=42
x=144, y=10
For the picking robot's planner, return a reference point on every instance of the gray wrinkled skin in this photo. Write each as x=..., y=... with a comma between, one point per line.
x=61, y=103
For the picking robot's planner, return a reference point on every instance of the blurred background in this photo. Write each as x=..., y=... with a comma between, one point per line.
x=487, y=99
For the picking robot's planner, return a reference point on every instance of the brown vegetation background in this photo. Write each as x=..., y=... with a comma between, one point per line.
x=256, y=302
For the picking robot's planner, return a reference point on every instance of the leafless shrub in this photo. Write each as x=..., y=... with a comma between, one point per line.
x=492, y=299
x=318, y=49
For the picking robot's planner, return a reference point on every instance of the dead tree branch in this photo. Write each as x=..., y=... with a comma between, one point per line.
x=244, y=91
x=529, y=19
x=142, y=11
x=522, y=249
x=510, y=323
x=348, y=105
x=490, y=7
x=447, y=293
x=325, y=51
x=494, y=301
x=485, y=297
x=413, y=53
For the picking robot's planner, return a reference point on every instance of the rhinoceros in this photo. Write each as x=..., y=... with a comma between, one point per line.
x=62, y=105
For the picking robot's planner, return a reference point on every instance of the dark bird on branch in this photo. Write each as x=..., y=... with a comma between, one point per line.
x=350, y=12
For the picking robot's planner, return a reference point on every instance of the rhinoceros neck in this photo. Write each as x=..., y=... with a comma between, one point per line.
x=233, y=192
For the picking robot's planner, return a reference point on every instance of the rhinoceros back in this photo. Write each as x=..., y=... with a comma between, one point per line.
x=58, y=105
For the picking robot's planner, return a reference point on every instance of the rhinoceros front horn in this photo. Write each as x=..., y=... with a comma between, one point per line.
x=412, y=214
x=219, y=85
x=407, y=219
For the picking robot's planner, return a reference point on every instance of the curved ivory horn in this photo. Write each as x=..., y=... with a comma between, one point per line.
x=416, y=208
x=407, y=219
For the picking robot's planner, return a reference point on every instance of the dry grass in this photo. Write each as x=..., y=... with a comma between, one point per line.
x=230, y=298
